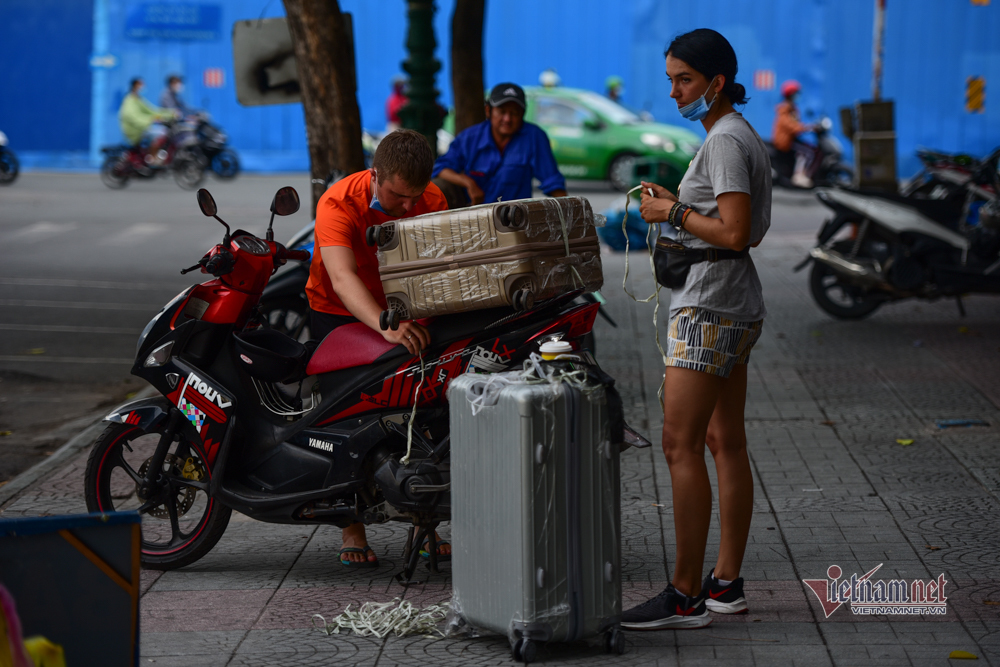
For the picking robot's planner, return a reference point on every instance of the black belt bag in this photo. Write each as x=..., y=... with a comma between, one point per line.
x=673, y=260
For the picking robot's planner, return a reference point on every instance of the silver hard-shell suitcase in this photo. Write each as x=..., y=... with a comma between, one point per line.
x=535, y=514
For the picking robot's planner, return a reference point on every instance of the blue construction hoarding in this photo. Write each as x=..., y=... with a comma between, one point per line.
x=67, y=63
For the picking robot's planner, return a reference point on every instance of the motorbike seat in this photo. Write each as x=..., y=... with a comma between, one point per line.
x=347, y=346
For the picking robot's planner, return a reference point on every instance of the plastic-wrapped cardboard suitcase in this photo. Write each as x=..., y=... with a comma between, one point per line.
x=535, y=510
x=505, y=254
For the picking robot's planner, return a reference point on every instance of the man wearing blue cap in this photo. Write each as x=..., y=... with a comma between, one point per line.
x=495, y=160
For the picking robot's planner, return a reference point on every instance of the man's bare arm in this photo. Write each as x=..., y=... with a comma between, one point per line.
x=343, y=271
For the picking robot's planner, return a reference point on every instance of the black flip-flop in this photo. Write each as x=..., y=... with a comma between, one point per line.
x=358, y=564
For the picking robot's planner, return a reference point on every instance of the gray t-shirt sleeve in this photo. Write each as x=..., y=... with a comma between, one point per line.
x=728, y=165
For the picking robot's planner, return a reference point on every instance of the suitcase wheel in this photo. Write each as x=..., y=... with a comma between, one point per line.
x=614, y=641
x=524, y=650
x=511, y=217
x=523, y=299
x=371, y=235
x=389, y=319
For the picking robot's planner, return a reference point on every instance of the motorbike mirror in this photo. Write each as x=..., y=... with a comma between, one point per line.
x=286, y=201
x=207, y=203
x=208, y=207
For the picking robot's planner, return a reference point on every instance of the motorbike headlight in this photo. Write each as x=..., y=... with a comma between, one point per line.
x=159, y=356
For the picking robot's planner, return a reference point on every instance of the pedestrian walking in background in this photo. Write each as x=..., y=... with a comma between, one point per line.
x=722, y=208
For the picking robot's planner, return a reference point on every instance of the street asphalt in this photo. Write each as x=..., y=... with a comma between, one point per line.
x=829, y=405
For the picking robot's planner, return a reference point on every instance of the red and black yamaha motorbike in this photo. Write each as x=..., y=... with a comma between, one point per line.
x=253, y=420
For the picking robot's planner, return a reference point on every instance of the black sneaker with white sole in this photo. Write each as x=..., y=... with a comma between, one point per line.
x=721, y=599
x=668, y=610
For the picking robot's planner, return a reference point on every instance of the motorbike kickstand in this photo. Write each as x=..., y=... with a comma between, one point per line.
x=961, y=306
x=411, y=555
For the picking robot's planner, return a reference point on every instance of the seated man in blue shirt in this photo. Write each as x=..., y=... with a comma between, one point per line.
x=496, y=159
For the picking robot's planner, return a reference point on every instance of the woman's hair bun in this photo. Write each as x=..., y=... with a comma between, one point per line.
x=711, y=54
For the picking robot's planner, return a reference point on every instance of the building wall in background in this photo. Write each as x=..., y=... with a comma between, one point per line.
x=931, y=48
x=44, y=73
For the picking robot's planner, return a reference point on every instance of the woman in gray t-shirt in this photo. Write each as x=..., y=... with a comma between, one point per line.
x=724, y=202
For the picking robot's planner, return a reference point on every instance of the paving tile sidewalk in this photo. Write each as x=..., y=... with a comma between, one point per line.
x=826, y=403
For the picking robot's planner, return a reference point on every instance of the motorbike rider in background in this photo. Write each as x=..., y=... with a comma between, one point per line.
x=786, y=131
x=139, y=119
x=344, y=285
x=170, y=98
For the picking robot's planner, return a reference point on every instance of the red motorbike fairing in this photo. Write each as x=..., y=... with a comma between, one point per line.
x=231, y=298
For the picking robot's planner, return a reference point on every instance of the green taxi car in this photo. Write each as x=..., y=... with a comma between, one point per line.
x=595, y=138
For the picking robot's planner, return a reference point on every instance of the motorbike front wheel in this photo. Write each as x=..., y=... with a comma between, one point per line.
x=226, y=164
x=842, y=300
x=9, y=166
x=180, y=522
x=115, y=172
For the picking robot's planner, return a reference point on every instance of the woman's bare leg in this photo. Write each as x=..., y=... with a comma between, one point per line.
x=689, y=399
x=727, y=440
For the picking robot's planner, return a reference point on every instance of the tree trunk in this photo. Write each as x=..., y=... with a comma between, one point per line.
x=467, y=62
x=324, y=52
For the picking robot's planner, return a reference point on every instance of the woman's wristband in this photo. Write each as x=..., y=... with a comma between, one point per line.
x=678, y=215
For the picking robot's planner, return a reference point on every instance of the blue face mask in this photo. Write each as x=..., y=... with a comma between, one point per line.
x=699, y=108
x=375, y=202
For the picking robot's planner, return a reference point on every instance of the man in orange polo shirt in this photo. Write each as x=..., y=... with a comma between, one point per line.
x=344, y=284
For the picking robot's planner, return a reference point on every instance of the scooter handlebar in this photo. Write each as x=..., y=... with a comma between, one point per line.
x=298, y=255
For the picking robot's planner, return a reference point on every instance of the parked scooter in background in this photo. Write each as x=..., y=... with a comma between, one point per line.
x=9, y=166
x=882, y=247
x=964, y=180
x=182, y=156
x=826, y=166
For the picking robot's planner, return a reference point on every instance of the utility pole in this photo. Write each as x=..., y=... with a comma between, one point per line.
x=421, y=113
x=877, y=39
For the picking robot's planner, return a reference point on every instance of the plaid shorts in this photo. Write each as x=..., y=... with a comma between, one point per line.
x=710, y=343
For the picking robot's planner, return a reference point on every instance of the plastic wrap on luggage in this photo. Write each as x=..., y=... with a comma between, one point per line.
x=529, y=562
x=504, y=254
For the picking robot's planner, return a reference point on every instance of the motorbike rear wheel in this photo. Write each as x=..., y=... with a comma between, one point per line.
x=9, y=166
x=189, y=169
x=840, y=299
x=115, y=172
x=180, y=522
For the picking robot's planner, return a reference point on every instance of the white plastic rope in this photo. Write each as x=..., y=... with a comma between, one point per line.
x=577, y=280
x=413, y=413
x=656, y=293
x=380, y=619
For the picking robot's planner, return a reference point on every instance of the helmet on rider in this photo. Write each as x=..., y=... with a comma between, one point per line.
x=790, y=87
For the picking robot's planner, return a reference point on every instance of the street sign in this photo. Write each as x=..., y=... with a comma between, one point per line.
x=264, y=67
x=174, y=21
